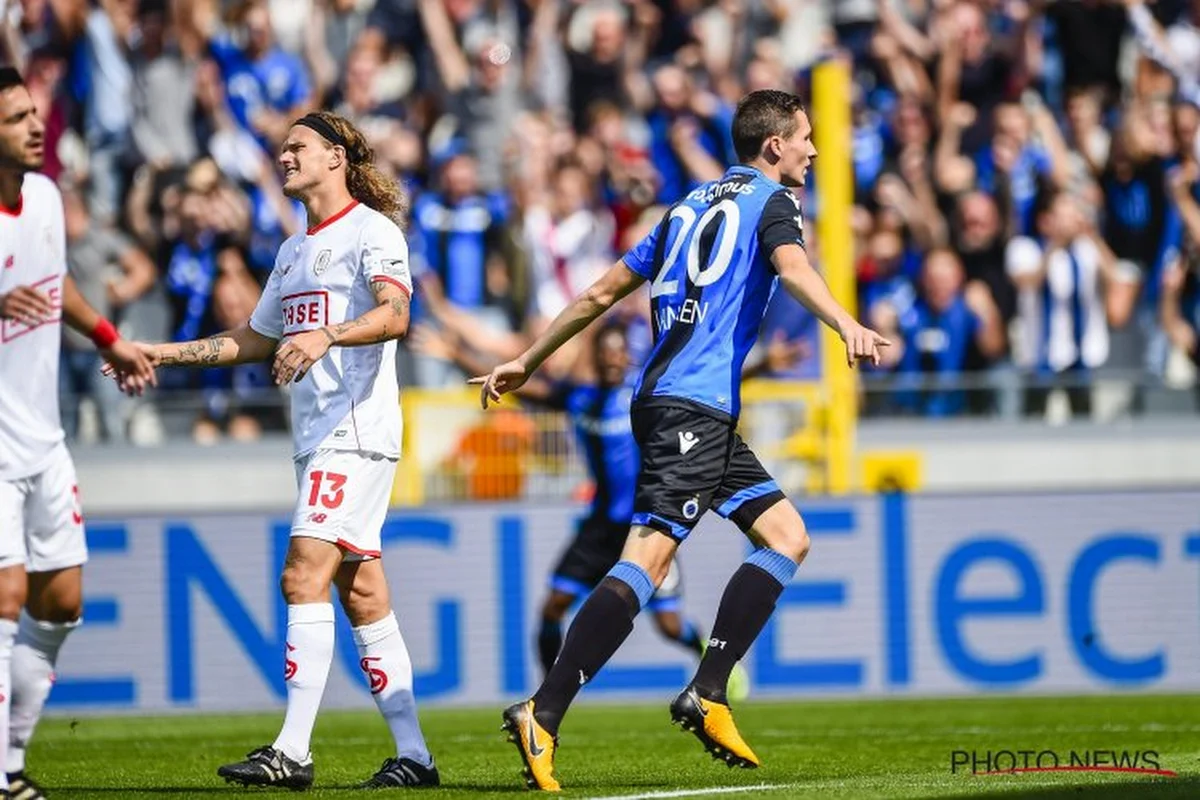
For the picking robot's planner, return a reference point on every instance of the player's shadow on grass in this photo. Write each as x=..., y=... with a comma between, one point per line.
x=1182, y=788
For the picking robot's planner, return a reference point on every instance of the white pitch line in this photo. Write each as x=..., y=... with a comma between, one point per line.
x=694, y=792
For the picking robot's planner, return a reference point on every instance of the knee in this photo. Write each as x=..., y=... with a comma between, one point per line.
x=59, y=614
x=658, y=571
x=792, y=541
x=13, y=592
x=301, y=584
x=799, y=544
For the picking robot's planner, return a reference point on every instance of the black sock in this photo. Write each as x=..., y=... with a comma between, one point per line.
x=549, y=642
x=746, y=606
x=604, y=621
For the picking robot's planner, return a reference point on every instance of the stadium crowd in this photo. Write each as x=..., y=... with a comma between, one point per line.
x=1027, y=199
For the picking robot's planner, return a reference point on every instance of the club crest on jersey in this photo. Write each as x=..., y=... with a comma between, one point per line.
x=691, y=508
x=322, y=262
x=8, y=262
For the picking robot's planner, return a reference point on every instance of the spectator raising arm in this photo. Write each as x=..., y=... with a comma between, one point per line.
x=452, y=65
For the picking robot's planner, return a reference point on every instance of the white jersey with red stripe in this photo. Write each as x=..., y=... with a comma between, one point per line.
x=33, y=252
x=349, y=400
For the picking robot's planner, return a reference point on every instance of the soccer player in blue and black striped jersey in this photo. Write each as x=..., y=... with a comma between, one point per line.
x=712, y=264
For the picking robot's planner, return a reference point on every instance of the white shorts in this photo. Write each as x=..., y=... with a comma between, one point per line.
x=344, y=498
x=41, y=523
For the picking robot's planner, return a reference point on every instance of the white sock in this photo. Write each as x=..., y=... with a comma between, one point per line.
x=8, y=635
x=384, y=659
x=33, y=658
x=309, y=655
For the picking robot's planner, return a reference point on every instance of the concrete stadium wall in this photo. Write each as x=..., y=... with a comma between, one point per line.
x=956, y=457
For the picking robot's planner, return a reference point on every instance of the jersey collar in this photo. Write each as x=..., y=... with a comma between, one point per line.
x=318, y=228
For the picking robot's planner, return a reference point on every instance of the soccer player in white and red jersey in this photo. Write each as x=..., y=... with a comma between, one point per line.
x=330, y=314
x=42, y=546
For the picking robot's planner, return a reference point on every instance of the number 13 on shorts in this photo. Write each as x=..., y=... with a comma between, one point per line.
x=332, y=482
x=343, y=499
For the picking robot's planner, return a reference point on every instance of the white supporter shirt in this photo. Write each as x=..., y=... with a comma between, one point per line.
x=33, y=252
x=349, y=400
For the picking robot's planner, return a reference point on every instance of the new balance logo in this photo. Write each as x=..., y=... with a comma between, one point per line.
x=687, y=440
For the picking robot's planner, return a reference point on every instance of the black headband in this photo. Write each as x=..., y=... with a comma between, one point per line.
x=9, y=77
x=330, y=134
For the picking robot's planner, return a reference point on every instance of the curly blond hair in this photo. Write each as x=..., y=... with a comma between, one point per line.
x=366, y=182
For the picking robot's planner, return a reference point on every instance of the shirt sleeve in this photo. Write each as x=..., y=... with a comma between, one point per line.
x=267, y=318
x=781, y=223
x=384, y=255
x=640, y=259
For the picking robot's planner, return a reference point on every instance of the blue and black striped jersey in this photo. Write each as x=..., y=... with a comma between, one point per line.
x=711, y=277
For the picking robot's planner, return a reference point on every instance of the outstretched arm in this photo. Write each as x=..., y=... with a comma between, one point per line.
x=241, y=345
x=134, y=370
x=804, y=283
x=615, y=284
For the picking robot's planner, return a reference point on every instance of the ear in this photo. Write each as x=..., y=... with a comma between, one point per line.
x=773, y=149
x=337, y=156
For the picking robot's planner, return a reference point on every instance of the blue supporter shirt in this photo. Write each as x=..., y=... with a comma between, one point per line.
x=277, y=81
x=714, y=136
x=453, y=242
x=1032, y=164
x=191, y=272
x=709, y=263
x=936, y=346
x=267, y=233
x=600, y=417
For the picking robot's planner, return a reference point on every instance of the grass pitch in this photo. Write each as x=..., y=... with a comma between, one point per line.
x=878, y=749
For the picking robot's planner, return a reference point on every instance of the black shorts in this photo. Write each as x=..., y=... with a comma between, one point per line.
x=593, y=552
x=693, y=461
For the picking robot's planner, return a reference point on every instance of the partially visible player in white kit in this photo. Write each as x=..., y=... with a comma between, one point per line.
x=330, y=314
x=42, y=546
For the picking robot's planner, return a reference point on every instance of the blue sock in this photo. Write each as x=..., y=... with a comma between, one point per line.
x=774, y=563
x=636, y=579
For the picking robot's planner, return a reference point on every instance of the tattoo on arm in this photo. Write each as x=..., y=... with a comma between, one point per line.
x=350, y=325
x=199, y=353
x=393, y=324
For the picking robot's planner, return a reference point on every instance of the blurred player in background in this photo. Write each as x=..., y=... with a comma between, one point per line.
x=713, y=263
x=42, y=544
x=595, y=396
x=332, y=309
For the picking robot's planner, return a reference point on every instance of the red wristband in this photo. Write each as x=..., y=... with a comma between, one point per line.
x=104, y=335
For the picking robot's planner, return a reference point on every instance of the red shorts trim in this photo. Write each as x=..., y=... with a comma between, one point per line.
x=342, y=543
